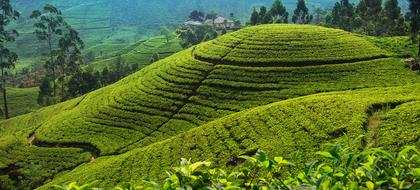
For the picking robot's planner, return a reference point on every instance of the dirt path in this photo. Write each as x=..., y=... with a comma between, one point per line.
x=373, y=130
x=31, y=139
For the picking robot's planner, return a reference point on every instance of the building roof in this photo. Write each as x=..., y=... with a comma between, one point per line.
x=219, y=20
x=192, y=22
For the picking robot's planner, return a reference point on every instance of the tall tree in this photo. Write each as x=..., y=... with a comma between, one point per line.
x=415, y=20
x=49, y=27
x=166, y=32
x=196, y=15
x=369, y=11
x=7, y=57
x=254, y=18
x=393, y=22
x=264, y=16
x=278, y=12
x=342, y=16
x=212, y=16
x=301, y=14
x=69, y=55
x=319, y=15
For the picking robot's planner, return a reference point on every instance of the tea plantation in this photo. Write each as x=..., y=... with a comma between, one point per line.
x=301, y=124
x=21, y=100
x=246, y=90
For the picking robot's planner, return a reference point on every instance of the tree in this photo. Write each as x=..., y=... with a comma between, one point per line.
x=264, y=16
x=166, y=32
x=301, y=14
x=212, y=16
x=45, y=92
x=7, y=57
x=196, y=15
x=69, y=54
x=393, y=22
x=369, y=11
x=155, y=57
x=232, y=16
x=342, y=16
x=254, y=18
x=49, y=27
x=196, y=34
x=278, y=12
x=319, y=15
x=415, y=20
x=82, y=82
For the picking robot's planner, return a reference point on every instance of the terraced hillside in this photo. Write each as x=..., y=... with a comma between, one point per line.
x=140, y=52
x=252, y=67
x=301, y=124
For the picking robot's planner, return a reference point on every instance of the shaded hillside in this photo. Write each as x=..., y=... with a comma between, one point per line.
x=252, y=67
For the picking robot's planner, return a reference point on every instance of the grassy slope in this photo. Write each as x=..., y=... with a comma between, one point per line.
x=21, y=100
x=141, y=52
x=181, y=92
x=17, y=152
x=403, y=46
x=301, y=124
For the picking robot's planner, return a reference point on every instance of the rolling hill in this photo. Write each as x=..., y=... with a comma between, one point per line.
x=190, y=96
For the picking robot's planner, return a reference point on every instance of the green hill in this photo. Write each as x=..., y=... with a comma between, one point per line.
x=140, y=52
x=21, y=101
x=242, y=70
x=301, y=124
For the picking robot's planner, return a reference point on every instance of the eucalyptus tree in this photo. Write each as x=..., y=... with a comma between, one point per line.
x=49, y=27
x=301, y=14
x=278, y=12
x=393, y=22
x=7, y=57
x=69, y=55
x=415, y=20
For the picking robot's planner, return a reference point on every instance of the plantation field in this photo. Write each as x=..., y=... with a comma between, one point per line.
x=402, y=46
x=140, y=52
x=283, y=128
x=20, y=101
x=246, y=90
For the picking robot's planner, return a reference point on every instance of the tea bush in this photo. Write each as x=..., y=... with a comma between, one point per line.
x=338, y=168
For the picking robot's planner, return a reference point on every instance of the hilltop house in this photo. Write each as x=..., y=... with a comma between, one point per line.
x=218, y=22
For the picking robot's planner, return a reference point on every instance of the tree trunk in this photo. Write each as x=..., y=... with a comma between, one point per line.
x=62, y=81
x=6, y=109
x=51, y=60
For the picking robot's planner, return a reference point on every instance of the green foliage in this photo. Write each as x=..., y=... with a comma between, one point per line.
x=342, y=16
x=402, y=46
x=21, y=100
x=282, y=128
x=276, y=14
x=140, y=53
x=256, y=46
x=338, y=168
x=183, y=98
x=414, y=16
x=301, y=13
x=7, y=57
x=194, y=35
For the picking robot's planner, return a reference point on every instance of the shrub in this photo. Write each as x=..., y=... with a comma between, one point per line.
x=338, y=168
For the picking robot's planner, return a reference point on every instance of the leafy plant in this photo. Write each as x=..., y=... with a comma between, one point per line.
x=339, y=168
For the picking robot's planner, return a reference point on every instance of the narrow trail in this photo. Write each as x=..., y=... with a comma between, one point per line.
x=372, y=126
x=86, y=147
x=373, y=130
